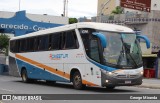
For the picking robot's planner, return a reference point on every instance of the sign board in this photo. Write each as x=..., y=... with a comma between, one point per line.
x=19, y=24
x=141, y=5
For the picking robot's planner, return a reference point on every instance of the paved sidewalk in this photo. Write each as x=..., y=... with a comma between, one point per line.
x=2, y=59
x=151, y=83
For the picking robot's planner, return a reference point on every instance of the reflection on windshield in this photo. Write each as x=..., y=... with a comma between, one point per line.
x=122, y=49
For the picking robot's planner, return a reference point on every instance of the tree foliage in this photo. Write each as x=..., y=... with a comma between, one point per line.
x=72, y=20
x=118, y=10
x=4, y=41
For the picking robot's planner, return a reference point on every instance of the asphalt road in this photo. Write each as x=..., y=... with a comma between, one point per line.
x=14, y=85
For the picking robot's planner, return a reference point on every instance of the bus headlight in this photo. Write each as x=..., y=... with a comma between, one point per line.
x=110, y=73
x=106, y=72
x=141, y=72
x=107, y=81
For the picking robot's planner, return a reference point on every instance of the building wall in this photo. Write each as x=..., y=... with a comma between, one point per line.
x=155, y=5
x=149, y=28
x=38, y=18
x=106, y=7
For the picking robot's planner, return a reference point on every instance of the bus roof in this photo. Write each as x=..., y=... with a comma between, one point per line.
x=93, y=25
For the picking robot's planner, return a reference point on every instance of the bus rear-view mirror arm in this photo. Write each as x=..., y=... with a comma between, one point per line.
x=146, y=40
x=102, y=38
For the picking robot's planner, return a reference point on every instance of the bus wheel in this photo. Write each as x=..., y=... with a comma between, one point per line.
x=110, y=87
x=77, y=81
x=25, y=76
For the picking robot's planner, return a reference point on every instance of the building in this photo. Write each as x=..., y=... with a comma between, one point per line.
x=105, y=7
x=84, y=19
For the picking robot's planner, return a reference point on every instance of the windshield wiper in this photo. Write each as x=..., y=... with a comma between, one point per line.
x=128, y=53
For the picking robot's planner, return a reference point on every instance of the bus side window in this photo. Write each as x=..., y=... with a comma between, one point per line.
x=36, y=44
x=23, y=45
x=30, y=44
x=56, y=41
x=50, y=42
x=13, y=46
x=17, y=46
x=94, y=50
x=85, y=39
x=71, y=41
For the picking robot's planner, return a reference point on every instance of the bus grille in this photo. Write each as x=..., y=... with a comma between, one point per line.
x=126, y=76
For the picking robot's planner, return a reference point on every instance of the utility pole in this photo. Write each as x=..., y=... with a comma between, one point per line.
x=19, y=5
x=65, y=8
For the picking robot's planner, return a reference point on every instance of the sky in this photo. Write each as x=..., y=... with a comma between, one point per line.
x=76, y=8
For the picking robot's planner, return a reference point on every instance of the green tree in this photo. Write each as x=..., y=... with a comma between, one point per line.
x=72, y=20
x=118, y=10
x=4, y=42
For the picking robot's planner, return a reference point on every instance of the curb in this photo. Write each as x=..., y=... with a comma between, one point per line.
x=153, y=86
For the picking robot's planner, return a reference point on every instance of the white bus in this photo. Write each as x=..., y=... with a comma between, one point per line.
x=92, y=54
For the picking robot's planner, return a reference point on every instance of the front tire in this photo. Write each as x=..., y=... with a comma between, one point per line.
x=77, y=81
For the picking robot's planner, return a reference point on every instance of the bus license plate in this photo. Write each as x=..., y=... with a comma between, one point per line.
x=127, y=82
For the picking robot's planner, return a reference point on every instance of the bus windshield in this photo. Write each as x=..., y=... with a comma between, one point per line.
x=122, y=50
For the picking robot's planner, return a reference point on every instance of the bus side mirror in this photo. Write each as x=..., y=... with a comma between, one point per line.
x=102, y=38
x=146, y=40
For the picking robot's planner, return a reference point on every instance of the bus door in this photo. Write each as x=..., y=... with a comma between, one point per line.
x=92, y=49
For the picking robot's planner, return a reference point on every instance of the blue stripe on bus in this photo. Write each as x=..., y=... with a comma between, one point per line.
x=38, y=73
x=109, y=69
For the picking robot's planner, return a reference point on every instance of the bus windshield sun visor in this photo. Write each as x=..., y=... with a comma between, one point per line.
x=146, y=40
x=102, y=38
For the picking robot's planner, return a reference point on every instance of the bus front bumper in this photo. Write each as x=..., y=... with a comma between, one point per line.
x=127, y=80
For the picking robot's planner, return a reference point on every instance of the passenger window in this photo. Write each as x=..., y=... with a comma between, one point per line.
x=70, y=40
x=56, y=41
x=36, y=44
x=43, y=42
x=13, y=46
x=23, y=45
x=30, y=44
x=94, y=50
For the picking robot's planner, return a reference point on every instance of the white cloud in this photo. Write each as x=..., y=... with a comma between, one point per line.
x=76, y=8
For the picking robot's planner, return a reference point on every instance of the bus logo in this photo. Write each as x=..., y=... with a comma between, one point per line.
x=6, y=97
x=58, y=56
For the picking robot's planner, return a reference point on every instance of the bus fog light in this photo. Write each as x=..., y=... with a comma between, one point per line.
x=141, y=72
